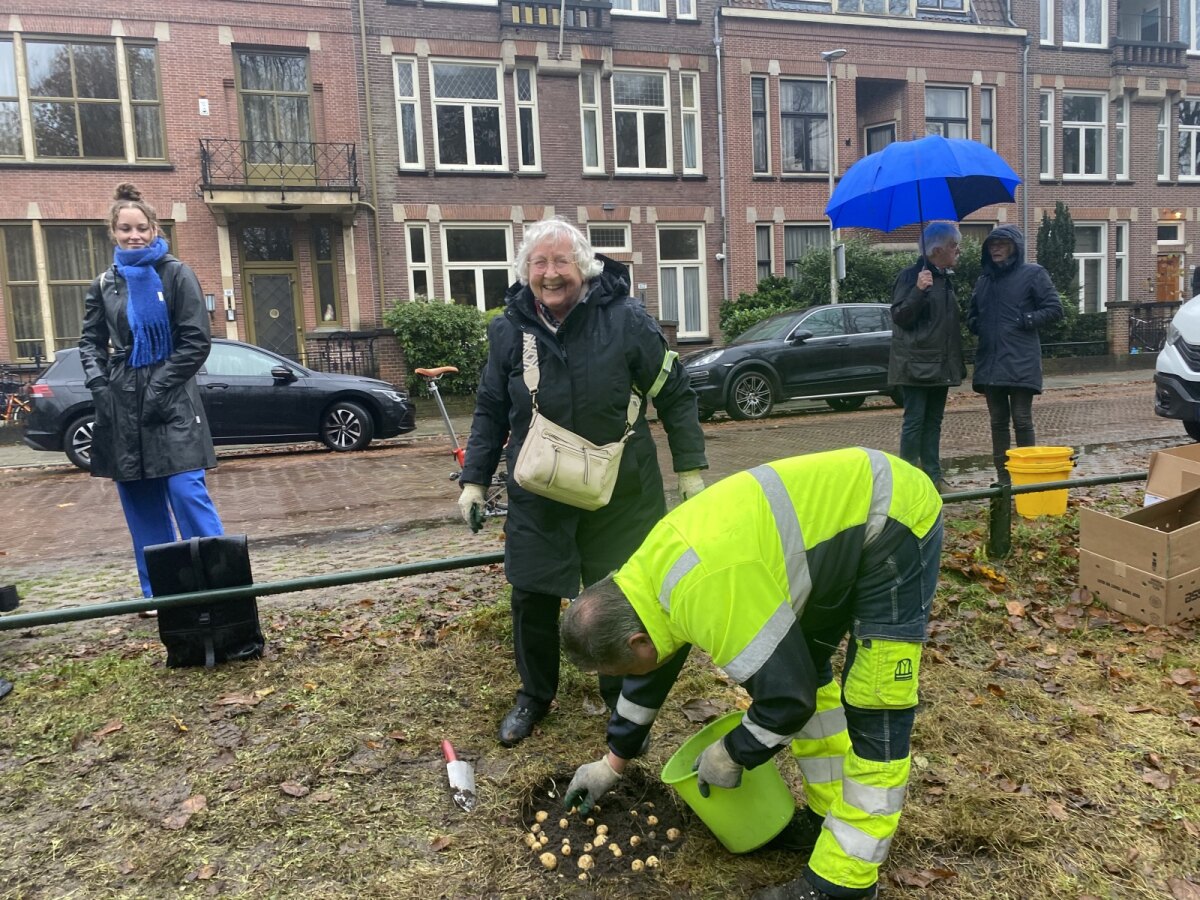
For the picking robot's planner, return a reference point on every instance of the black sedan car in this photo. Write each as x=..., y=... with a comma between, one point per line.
x=838, y=354
x=251, y=396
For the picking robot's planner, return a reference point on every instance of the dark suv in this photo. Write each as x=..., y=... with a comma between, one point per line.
x=838, y=354
x=251, y=396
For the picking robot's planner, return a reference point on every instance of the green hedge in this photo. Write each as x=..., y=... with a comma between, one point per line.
x=434, y=333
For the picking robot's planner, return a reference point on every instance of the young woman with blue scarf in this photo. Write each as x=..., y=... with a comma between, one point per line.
x=145, y=336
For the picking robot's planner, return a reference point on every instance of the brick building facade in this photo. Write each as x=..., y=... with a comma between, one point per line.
x=315, y=168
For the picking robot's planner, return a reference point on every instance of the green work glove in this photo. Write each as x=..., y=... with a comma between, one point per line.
x=591, y=782
x=716, y=766
x=470, y=505
x=690, y=484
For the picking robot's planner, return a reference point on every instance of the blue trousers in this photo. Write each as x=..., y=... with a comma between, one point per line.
x=921, y=430
x=149, y=504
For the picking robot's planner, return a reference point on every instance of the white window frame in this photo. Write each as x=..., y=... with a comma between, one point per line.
x=665, y=110
x=766, y=117
x=691, y=113
x=468, y=105
x=1189, y=25
x=855, y=7
x=415, y=102
x=531, y=105
x=1102, y=5
x=958, y=88
x=427, y=267
x=678, y=266
x=478, y=265
x=1046, y=22
x=1083, y=127
x=769, y=228
x=1102, y=255
x=686, y=9
x=1189, y=134
x=626, y=246
x=1121, y=260
x=1175, y=242
x=1164, y=140
x=990, y=122
x=660, y=13
x=593, y=76
x=1121, y=138
x=1046, y=132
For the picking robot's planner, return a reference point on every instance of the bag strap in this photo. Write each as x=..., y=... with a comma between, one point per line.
x=663, y=371
x=210, y=651
x=532, y=377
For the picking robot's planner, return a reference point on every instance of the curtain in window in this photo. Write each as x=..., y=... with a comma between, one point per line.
x=691, y=299
x=799, y=240
x=668, y=295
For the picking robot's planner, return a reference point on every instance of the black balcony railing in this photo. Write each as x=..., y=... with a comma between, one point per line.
x=577, y=17
x=345, y=352
x=1129, y=53
x=295, y=165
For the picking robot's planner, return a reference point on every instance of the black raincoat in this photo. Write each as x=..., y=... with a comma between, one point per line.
x=607, y=345
x=149, y=421
x=1008, y=306
x=927, y=340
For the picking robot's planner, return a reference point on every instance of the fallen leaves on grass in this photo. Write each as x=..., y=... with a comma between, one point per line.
x=701, y=710
x=1057, y=811
x=239, y=700
x=1183, y=890
x=183, y=813
x=922, y=879
x=440, y=843
x=109, y=728
x=292, y=789
x=1158, y=779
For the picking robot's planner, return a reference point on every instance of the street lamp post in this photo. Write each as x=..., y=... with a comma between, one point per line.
x=830, y=57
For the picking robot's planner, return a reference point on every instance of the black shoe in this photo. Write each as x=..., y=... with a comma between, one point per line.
x=5, y=688
x=799, y=835
x=518, y=724
x=942, y=486
x=800, y=889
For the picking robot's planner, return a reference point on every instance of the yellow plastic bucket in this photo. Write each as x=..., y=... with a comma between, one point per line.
x=742, y=818
x=1034, y=465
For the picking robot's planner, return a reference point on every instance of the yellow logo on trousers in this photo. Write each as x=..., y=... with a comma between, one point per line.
x=904, y=670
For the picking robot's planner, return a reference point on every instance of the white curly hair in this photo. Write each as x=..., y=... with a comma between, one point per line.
x=552, y=230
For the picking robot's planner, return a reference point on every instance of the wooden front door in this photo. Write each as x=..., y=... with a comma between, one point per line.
x=1168, y=277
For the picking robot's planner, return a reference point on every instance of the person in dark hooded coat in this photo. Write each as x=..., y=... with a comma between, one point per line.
x=595, y=344
x=1011, y=301
x=145, y=336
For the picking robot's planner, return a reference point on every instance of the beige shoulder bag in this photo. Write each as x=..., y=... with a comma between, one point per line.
x=559, y=464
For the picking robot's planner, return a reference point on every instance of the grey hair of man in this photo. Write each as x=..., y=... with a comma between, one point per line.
x=939, y=234
x=552, y=230
x=596, y=628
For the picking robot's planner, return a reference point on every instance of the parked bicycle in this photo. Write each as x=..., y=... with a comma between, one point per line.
x=496, y=497
x=14, y=399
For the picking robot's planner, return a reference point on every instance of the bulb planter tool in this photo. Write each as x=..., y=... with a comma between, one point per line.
x=462, y=778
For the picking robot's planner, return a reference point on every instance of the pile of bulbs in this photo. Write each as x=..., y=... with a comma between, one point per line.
x=538, y=840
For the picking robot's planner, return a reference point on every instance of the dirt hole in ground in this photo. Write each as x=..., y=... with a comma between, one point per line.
x=624, y=838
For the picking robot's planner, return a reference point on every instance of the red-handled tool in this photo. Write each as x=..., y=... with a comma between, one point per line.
x=462, y=778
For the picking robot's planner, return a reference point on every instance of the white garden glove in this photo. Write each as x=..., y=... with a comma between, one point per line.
x=690, y=484
x=716, y=766
x=591, y=782
x=470, y=505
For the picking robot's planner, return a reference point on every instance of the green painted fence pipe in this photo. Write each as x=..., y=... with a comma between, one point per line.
x=333, y=579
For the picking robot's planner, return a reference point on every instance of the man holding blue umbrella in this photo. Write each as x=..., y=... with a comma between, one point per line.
x=927, y=355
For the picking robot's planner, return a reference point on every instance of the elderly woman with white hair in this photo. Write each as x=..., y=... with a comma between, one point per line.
x=595, y=344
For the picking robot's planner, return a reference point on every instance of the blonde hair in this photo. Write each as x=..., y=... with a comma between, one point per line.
x=554, y=229
x=127, y=196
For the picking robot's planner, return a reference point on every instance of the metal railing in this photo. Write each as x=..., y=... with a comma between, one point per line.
x=999, y=544
x=344, y=352
x=1148, y=324
x=233, y=164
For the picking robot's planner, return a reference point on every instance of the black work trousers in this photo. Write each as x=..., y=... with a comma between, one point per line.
x=1007, y=404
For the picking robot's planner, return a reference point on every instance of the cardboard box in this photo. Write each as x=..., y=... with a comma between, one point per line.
x=1173, y=472
x=1145, y=565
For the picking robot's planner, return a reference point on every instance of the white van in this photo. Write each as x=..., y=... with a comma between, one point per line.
x=1177, y=373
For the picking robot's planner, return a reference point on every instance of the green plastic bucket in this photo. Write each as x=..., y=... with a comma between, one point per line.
x=743, y=818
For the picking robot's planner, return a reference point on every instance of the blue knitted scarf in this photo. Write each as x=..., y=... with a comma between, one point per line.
x=147, y=312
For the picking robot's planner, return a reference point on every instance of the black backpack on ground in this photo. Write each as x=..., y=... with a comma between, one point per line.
x=205, y=634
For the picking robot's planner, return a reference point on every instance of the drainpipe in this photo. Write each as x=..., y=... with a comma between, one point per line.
x=724, y=255
x=362, y=42
x=1008, y=18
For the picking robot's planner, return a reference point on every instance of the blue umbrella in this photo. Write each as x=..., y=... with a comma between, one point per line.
x=915, y=181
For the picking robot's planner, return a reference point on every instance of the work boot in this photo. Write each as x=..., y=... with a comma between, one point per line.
x=6, y=687
x=518, y=724
x=800, y=889
x=942, y=486
x=799, y=835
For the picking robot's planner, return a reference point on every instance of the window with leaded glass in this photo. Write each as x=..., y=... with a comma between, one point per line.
x=420, y=266
x=804, y=126
x=11, y=143
x=468, y=115
x=408, y=113
x=325, y=274
x=641, y=124
x=590, y=121
x=525, y=85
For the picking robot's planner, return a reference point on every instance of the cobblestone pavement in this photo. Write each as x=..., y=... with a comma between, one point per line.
x=309, y=510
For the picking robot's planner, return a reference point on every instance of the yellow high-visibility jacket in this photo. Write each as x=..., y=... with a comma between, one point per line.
x=756, y=562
